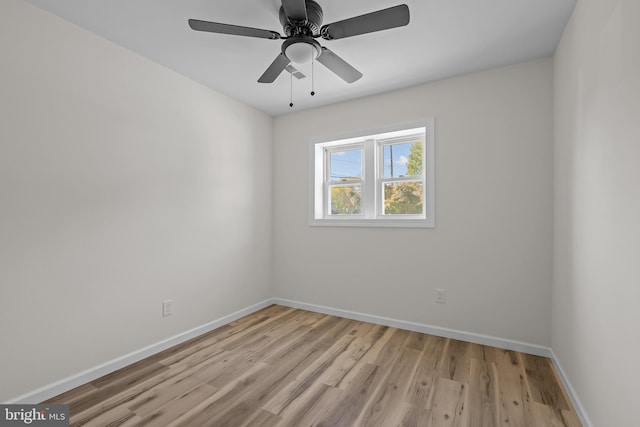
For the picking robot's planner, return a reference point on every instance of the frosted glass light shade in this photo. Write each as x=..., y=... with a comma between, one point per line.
x=300, y=53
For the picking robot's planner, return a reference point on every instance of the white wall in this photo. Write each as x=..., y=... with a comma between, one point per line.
x=121, y=184
x=596, y=290
x=491, y=248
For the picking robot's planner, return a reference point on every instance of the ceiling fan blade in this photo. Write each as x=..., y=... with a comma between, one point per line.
x=339, y=66
x=235, y=30
x=274, y=70
x=295, y=10
x=384, y=19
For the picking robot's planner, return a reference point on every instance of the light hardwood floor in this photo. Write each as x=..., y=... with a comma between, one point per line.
x=287, y=367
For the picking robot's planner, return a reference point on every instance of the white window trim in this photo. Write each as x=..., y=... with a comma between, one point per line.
x=316, y=164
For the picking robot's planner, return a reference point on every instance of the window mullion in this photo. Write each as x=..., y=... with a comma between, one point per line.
x=325, y=187
x=369, y=179
x=379, y=175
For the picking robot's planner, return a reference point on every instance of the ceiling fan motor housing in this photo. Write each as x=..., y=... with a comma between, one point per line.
x=309, y=27
x=300, y=46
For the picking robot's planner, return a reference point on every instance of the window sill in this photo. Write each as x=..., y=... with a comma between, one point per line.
x=392, y=223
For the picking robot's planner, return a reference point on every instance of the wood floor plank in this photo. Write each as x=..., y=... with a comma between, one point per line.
x=251, y=395
x=382, y=337
x=116, y=416
x=110, y=399
x=448, y=404
x=327, y=358
x=214, y=405
x=542, y=384
x=110, y=388
x=456, y=363
x=417, y=340
x=514, y=408
x=310, y=406
x=193, y=355
x=385, y=406
x=571, y=418
x=415, y=416
x=544, y=415
x=254, y=332
x=293, y=392
x=261, y=418
x=133, y=421
x=173, y=410
x=355, y=397
x=290, y=393
x=146, y=403
x=288, y=368
x=227, y=369
x=104, y=400
x=422, y=388
x=391, y=348
x=343, y=364
x=481, y=398
x=322, y=336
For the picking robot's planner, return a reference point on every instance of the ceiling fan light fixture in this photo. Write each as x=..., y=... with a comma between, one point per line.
x=301, y=50
x=302, y=23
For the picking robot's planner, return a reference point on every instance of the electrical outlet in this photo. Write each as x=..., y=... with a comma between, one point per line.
x=441, y=296
x=167, y=308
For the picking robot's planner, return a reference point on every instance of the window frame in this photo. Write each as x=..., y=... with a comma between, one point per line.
x=372, y=178
x=381, y=180
x=328, y=182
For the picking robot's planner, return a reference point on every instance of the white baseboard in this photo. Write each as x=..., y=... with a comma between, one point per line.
x=506, y=344
x=91, y=374
x=66, y=384
x=577, y=403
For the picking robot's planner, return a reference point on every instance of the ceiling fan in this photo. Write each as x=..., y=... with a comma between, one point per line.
x=302, y=24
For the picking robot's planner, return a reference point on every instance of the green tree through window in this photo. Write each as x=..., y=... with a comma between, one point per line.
x=405, y=198
x=345, y=200
x=414, y=166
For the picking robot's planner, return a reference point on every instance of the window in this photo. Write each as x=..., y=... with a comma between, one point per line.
x=378, y=178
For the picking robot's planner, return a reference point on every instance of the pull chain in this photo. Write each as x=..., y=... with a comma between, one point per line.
x=313, y=58
x=291, y=90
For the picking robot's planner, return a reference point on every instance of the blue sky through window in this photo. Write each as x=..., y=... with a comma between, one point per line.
x=346, y=164
x=398, y=156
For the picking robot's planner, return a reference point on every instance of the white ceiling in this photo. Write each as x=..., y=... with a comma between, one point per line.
x=444, y=38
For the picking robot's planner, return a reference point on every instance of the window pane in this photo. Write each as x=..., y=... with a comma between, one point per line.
x=345, y=165
x=403, y=198
x=403, y=159
x=345, y=200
